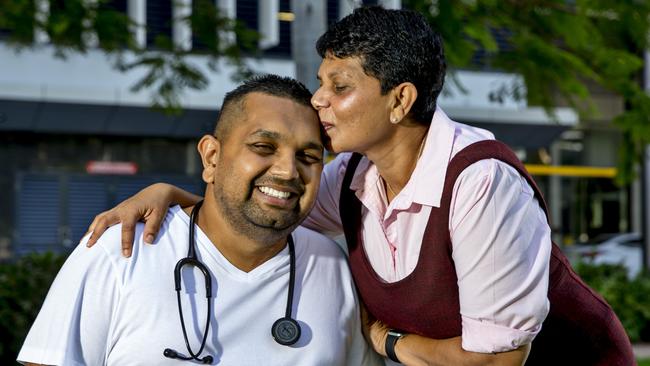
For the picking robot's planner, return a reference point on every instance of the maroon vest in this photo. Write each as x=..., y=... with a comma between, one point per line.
x=580, y=329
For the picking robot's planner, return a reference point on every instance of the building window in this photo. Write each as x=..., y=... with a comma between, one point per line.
x=247, y=12
x=284, y=47
x=203, y=36
x=120, y=6
x=332, y=11
x=159, y=22
x=4, y=33
x=481, y=58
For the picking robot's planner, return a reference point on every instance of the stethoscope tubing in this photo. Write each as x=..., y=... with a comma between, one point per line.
x=286, y=331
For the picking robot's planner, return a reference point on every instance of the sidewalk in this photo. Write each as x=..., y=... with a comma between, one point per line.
x=641, y=350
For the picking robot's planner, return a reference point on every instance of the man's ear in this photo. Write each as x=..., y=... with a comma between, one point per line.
x=209, y=148
x=404, y=96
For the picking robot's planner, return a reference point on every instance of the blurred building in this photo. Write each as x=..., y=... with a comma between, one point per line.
x=75, y=140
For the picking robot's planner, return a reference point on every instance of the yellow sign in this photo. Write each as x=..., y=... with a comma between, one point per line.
x=571, y=171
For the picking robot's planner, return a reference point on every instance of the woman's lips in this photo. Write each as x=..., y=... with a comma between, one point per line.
x=326, y=125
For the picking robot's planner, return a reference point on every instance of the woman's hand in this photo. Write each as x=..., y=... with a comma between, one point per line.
x=416, y=350
x=374, y=331
x=149, y=205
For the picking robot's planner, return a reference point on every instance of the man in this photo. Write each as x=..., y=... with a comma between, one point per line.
x=262, y=170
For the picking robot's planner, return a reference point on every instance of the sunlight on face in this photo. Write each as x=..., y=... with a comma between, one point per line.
x=269, y=166
x=352, y=110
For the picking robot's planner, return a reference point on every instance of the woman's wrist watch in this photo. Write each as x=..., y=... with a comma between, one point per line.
x=393, y=336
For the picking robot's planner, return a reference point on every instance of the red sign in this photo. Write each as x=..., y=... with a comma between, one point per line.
x=111, y=167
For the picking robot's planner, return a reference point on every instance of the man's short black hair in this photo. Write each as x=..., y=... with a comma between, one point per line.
x=278, y=86
x=394, y=46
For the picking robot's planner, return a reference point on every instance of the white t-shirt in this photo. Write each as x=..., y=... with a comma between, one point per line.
x=103, y=309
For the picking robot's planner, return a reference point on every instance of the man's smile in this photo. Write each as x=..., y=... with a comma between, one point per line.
x=274, y=192
x=284, y=198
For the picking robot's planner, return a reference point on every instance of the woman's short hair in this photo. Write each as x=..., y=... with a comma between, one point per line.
x=394, y=46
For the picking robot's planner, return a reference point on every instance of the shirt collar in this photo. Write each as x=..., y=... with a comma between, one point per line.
x=365, y=175
x=428, y=178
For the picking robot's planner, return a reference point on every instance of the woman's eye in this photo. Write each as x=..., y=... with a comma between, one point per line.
x=340, y=88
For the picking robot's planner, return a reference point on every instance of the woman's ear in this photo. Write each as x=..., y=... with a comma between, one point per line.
x=209, y=148
x=405, y=95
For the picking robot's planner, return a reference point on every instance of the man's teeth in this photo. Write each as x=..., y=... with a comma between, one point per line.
x=274, y=193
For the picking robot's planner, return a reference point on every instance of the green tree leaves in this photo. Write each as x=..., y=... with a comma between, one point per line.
x=559, y=48
x=80, y=25
x=23, y=286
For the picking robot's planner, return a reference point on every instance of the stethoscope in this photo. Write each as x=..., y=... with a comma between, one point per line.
x=285, y=331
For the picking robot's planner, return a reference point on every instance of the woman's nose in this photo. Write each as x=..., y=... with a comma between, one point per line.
x=318, y=100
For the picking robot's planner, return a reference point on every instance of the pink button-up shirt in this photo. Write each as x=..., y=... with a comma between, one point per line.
x=501, y=241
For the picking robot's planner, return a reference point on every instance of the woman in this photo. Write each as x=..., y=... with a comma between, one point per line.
x=448, y=237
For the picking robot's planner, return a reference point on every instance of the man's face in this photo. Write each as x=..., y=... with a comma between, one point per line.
x=268, y=166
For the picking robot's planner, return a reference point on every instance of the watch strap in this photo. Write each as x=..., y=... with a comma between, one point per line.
x=392, y=338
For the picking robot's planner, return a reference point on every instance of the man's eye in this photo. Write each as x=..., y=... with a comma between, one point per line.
x=262, y=148
x=311, y=158
x=340, y=88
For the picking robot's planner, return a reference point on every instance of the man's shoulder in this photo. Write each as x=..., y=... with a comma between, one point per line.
x=111, y=240
x=336, y=167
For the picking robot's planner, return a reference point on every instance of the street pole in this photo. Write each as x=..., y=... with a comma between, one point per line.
x=645, y=212
x=309, y=23
x=645, y=178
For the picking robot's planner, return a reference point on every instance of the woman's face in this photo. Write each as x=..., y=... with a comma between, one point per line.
x=353, y=112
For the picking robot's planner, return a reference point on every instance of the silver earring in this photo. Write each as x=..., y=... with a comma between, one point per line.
x=393, y=119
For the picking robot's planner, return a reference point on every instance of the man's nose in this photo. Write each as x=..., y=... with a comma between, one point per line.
x=285, y=167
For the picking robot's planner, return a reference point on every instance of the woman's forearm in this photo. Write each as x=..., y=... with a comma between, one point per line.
x=180, y=196
x=417, y=350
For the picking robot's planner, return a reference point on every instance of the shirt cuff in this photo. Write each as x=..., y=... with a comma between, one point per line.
x=485, y=337
x=44, y=356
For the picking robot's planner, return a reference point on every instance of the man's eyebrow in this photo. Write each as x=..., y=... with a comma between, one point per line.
x=273, y=135
x=314, y=145
x=267, y=134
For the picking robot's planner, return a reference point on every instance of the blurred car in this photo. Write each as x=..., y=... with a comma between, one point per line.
x=621, y=248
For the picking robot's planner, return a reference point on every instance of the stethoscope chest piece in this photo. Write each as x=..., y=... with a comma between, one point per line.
x=285, y=331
